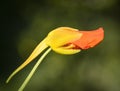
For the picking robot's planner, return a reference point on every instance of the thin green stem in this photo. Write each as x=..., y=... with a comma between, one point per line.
x=33, y=70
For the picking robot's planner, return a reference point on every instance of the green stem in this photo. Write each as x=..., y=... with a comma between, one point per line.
x=33, y=70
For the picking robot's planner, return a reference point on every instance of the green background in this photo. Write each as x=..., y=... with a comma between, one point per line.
x=24, y=23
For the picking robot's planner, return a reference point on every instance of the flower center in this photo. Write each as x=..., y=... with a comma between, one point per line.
x=70, y=46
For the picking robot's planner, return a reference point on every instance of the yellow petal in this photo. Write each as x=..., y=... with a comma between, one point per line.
x=62, y=36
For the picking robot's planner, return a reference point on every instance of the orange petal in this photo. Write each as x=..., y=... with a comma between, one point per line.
x=89, y=38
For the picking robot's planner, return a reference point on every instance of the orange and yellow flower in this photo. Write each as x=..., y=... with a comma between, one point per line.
x=65, y=40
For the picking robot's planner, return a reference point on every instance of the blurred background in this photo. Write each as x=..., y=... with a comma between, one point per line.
x=24, y=23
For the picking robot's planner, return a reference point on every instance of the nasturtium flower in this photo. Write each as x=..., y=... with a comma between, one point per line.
x=65, y=40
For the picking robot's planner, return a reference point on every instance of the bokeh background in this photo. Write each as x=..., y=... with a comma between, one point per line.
x=24, y=23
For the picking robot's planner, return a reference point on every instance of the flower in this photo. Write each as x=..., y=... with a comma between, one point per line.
x=65, y=40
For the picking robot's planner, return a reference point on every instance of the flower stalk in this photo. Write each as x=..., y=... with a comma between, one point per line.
x=33, y=70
